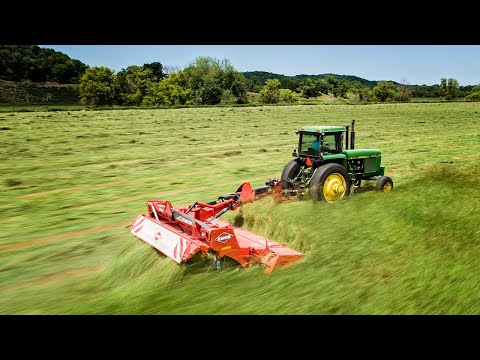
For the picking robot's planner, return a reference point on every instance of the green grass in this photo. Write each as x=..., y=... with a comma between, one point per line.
x=71, y=181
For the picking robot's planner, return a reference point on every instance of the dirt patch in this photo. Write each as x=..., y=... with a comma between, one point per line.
x=63, y=236
x=467, y=157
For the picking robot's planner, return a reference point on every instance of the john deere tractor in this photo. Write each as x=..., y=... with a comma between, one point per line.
x=326, y=169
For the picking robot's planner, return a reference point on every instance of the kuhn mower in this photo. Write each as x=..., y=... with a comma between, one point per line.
x=181, y=232
x=321, y=168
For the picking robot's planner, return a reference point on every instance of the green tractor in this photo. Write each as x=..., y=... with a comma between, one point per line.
x=326, y=169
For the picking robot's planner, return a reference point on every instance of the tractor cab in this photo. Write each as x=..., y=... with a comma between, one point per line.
x=317, y=141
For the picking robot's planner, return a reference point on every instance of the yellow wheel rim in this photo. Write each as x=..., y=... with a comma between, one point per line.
x=334, y=187
x=387, y=187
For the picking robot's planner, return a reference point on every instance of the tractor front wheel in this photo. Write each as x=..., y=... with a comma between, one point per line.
x=330, y=183
x=290, y=171
x=384, y=183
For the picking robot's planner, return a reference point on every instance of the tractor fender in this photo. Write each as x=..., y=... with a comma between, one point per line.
x=332, y=161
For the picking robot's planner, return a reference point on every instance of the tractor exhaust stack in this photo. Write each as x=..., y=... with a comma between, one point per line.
x=346, y=136
x=352, y=136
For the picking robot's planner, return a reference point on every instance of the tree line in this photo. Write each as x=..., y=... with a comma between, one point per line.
x=209, y=81
x=206, y=81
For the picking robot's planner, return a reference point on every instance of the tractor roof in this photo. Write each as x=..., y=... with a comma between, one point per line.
x=323, y=129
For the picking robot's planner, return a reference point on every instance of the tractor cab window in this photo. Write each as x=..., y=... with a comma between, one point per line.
x=309, y=144
x=329, y=144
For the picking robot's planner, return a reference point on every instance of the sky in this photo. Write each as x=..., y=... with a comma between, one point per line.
x=413, y=64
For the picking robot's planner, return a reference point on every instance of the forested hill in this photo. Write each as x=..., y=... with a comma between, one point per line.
x=258, y=78
x=351, y=78
x=31, y=62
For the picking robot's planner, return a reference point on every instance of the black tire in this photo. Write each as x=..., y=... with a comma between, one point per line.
x=290, y=171
x=321, y=174
x=384, y=183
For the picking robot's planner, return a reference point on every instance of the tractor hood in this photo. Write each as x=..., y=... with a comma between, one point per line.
x=355, y=153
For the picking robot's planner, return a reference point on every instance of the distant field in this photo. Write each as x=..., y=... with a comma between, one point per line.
x=71, y=181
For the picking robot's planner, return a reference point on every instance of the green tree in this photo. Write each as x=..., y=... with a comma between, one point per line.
x=331, y=84
x=474, y=95
x=360, y=92
x=404, y=91
x=169, y=91
x=443, y=86
x=334, y=86
x=309, y=88
x=270, y=93
x=452, y=88
x=341, y=88
x=449, y=88
x=464, y=90
x=322, y=86
x=228, y=97
x=292, y=84
x=250, y=85
x=97, y=86
x=288, y=96
x=209, y=78
x=425, y=90
x=385, y=90
x=157, y=70
x=131, y=84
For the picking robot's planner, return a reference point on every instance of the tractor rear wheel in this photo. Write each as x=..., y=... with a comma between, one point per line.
x=384, y=183
x=290, y=171
x=330, y=183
